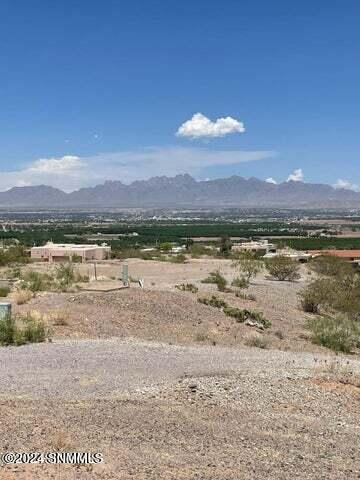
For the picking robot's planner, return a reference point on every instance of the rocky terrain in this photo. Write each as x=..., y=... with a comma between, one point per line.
x=166, y=412
x=166, y=388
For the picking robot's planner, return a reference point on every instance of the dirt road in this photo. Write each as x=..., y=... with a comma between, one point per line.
x=98, y=368
x=160, y=411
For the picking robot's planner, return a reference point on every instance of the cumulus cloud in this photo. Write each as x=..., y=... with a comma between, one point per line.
x=200, y=126
x=347, y=185
x=271, y=180
x=296, y=176
x=64, y=165
x=71, y=172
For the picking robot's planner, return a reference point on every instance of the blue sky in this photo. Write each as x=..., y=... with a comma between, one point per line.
x=93, y=90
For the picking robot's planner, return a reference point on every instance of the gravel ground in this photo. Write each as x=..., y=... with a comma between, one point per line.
x=204, y=408
x=168, y=412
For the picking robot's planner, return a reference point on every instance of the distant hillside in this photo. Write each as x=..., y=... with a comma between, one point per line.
x=183, y=190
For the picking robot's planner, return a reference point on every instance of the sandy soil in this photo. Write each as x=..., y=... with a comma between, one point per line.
x=161, y=312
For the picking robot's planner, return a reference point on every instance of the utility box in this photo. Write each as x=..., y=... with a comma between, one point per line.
x=5, y=310
x=125, y=274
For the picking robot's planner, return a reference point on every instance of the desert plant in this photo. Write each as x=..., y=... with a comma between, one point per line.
x=241, y=315
x=165, y=247
x=257, y=341
x=65, y=275
x=22, y=296
x=245, y=296
x=4, y=291
x=249, y=267
x=33, y=329
x=21, y=329
x=36, y=281
x=187, y=287
x=218, y=279
x=337, y=333
x=213, y=301
x=283, y=268
x=225, y=245
x=240, y=282
x=179, y=258
x=314, y=295
x=330, y=265
x=7, y=330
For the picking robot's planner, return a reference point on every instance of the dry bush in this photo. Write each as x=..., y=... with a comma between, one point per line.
x=57, y=317
x=61, y=441
x=257, y=341
x=22, y=296
x=283, y=268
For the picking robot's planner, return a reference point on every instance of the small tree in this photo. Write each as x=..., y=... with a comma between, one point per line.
x=330, y=266
x=283, y=268
x=165, y=247
x=225, y=245
x=249, y=268
x=65, y=275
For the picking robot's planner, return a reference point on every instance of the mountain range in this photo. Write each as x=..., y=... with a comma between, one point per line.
x=185, y=191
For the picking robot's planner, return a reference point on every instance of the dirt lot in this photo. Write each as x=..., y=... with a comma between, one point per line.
x=164, y=387
x=163, y=313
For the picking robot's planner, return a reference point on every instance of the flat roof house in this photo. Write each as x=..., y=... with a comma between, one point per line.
x=347, y=255
x=64, y=252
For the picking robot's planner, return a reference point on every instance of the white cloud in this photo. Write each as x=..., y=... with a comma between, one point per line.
x=347, y=185
x=271, y=180
x=296, y=176
x=200, y=126
x=63, y=165
x=71, y=172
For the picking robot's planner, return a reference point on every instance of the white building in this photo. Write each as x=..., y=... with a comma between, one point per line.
x=290, y=253
x=62, y=252
x=254, y=247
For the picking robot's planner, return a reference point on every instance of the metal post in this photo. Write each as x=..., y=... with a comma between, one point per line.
x=125, y=274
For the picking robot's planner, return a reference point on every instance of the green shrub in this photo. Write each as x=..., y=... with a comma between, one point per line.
x=225, y=245
x=241, y=315
x=337, y=333
x=217, y=279
x=240, y=282
x=21, y=329
x=248, y=266
x=33, y=330
x=315, y=295
x=65, y=275
x=7, y=330
x=179, y=258
x=36, y=282
x=4, y=291
x=213, y=301
x=283, y=268
x=14, y=254
x=333, y=294
x=331, y=266
x=187, y=287
x=197, y=250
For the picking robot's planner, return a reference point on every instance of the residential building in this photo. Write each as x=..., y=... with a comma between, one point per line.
x=56, y=252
